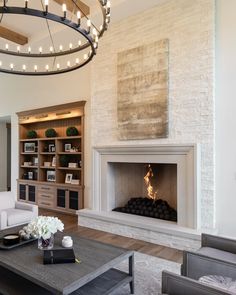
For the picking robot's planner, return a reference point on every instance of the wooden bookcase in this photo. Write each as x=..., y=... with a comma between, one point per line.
x=51, y=170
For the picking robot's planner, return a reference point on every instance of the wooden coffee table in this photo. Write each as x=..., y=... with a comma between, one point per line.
x=22, y=270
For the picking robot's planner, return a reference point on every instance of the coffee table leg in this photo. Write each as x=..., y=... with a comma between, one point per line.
x=131, y=273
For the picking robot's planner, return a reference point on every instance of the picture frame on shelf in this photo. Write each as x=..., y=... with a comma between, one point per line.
x=69, y=177
x=54, y=162
x=30, y=175
x=67, y=147
x=51, y=148
x=47, y=164
x=51, y=176
x=29, y=147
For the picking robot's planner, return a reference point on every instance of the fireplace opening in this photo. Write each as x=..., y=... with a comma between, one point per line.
x=148, y=190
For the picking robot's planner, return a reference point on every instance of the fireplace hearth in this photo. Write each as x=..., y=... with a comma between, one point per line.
x=159, y=209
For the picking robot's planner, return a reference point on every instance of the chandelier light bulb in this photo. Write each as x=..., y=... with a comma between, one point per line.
x=85, y=56
x=51, y=49
x=29, y=49
x=58, y=67
x=47, y=67
x=11, y=66
x=24, y=68
x=46, y=6
x=26, y=3
x=68, y=64
x=108, y=7
x=18, y=49
x=0, y=63
x=7, y=46
x=40, y=49
x=35, y=68
x=70, y=46
x=77, y=61
x=96, y=39
x=64, y=10
x=60, y=47
x=79, y=17
x=79, y=42
x=88, y=26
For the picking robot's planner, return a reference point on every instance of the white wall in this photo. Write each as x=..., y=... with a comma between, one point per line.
x=3, y=157
x=19, y=93
x=226, y=117
x=190, y=27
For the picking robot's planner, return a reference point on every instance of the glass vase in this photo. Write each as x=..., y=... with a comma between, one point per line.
x=46, y=244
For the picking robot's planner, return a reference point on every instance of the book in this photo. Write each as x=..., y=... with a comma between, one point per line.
x=59, y=256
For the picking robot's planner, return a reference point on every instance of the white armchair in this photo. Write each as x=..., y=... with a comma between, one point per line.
x=14, y=213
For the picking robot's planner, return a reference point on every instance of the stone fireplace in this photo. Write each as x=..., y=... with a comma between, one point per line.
x=118, y=176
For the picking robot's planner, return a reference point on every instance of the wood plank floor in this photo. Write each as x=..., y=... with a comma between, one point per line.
x=71, y=225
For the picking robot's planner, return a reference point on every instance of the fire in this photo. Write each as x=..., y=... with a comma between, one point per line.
x=147, y=178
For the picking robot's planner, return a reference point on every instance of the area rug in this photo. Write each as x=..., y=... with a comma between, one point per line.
x=148, y=271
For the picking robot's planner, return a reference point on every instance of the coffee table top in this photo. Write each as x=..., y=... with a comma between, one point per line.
x=96, y=258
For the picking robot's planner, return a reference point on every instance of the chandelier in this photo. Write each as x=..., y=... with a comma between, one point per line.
x=67, y=34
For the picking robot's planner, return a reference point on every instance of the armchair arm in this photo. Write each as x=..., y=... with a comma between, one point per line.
x=3, y=220
x=173, y=284
x=196, y=265
x=29, y=207
x=228, y=245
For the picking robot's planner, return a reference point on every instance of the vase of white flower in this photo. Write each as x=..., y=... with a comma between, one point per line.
x=46, y=244
x=44, y=228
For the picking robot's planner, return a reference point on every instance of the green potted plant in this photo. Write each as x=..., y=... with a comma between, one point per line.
x=72, y=131
x=50, y=132
x=31, y=134
x=64, y=160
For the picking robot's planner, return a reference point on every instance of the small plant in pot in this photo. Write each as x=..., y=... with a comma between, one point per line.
x=72, y=131
x=31, y=134
x=50, y=132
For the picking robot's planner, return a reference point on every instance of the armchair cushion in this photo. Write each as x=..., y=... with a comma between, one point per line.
x=18, y=216
x=6, y=200
x=218, y=254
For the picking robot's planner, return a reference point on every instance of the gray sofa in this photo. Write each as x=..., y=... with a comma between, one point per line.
x=173, y=284
x=13, y=213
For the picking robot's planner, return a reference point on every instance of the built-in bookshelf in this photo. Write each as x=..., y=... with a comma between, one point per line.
x=51, y=169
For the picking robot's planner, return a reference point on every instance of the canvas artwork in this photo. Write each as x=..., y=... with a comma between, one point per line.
x=142, y=91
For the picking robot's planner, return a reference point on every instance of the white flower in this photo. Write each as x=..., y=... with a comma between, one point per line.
x=44, y=227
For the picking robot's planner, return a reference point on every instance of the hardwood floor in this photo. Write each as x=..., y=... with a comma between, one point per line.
x=71, y=225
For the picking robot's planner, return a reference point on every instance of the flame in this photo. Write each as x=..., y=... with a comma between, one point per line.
x=147, y=178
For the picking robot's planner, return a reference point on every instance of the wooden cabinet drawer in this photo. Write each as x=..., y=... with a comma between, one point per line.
x=45, y=196
x=46, y=203
x=46, y=188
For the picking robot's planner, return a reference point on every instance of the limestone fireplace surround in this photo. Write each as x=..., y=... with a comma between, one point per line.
x=183, y=235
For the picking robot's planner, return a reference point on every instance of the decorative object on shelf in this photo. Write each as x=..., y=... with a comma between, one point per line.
x=51, y=148
x=68, y=178
x=27, y=164
x=51, y=176
x=76, y=17
x=35, y=161
x=67, y=242
x=29, y=147
x=73, y=165
x=72, y=131
x=140, y=118
x=11, y=239
x=75, y=181
x=47, y=164
x=31, y=134
x=64, y=160
x=67, y=147
x=54, y=162
x=44, y=228
x=50, y=132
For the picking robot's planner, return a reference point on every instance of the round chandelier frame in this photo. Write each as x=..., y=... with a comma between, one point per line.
x=91, y=34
